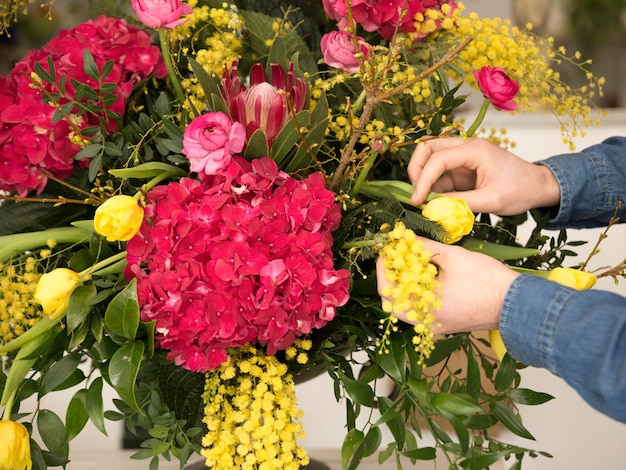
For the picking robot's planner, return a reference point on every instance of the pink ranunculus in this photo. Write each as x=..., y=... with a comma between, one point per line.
x=157, y=14
x=338, y=50
x=210, y=141
x=496, y=86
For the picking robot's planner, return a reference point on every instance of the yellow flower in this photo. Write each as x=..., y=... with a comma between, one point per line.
x=54, y=289
x=118, y=218
x=453, y=214
x=14, y=446
x=575, y=278
x=568, y=277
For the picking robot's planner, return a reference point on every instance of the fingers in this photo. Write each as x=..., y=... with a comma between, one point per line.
x=429, y=163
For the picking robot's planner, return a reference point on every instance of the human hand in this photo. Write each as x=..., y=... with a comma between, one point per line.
x=473, y=287
x=489, y=178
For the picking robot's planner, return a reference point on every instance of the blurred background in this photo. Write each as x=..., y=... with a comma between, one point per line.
x=578, y=437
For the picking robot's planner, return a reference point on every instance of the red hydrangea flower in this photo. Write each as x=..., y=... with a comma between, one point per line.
x=29, y=140
x=266, y=104
x=243, y=256
x=382, y=16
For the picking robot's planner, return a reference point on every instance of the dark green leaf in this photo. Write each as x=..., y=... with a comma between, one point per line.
x=423, y=453
x=472, y=387
x=89, y=152
x=372, y=441
x=79, y=306
x=505, y=373
x=394, y=362
x=360, y=392
x=58, y=373
x=510, y=420
x=445, y=347
x=456, y=404
x=525, y=396
x=89, y=65
x=52, y=432
x=95, y=406
x=393, y=418
x=352, y=450
x=257, y=146
x=123, y=371
x=76, y=416
x=122, y=314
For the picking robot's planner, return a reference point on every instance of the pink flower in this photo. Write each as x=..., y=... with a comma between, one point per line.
x=381, y=16
x=30, y=140
x=267, y=104
x=497, y=87
x=243, y=256
x=157, y=14
x=338, y=50
x=210, y=141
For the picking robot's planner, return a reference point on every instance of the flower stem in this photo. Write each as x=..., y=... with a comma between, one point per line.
x=103, y=264
x=167, y=57
x=6, y=415
x=11, y=245
x=364, y=172
x=479, y=118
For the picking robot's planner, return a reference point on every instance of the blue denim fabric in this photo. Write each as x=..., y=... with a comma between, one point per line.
x=578, y=335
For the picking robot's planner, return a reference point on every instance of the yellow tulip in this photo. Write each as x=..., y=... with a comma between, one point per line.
x=118, y=218
x=54, y=289
x=14, y=446
x=568, y=277
x=574, y=278
x=453, y=214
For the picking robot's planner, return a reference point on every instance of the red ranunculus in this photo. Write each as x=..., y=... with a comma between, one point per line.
x=210, y=141
x=157, y=14
x=496, y=86
x=338, y=50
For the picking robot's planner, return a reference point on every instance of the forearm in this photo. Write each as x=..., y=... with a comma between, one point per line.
x=578, y=335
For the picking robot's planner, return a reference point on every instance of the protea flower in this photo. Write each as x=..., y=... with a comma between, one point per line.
x=266, y=104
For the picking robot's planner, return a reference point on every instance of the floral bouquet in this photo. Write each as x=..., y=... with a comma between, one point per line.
x=195, y=195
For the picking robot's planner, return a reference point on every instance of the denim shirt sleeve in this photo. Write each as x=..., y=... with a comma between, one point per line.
x=592, y=182
x=579, y=336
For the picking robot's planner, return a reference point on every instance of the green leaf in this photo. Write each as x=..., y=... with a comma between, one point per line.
x=89, y=152
x=79, y=306
x=58, y=373
x=52, y=432
x=510, y=420
x=372, y=440
x=94, y=404
x=122, y=314
x=445, y=347
x=148, y=170
x=393, y=418
x=352, y=450
x=498, y=251
x=423, y=453
x=288, y=138
x=257, y=146
x=394, y=362
x=210, y=86
x=89, y=65
x=360, y=392
x=505, y=373
x=472, y=384
x=123, y=371
x=455, y=403
x=483, y=461
x=76, y=415
x=524, y=396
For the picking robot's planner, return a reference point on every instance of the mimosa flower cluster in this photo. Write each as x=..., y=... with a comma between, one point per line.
x=36, y=143
x=243, y=256
x=251, y=415
x=412, y=289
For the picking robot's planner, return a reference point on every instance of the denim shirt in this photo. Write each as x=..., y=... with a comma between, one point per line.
x=578, y=335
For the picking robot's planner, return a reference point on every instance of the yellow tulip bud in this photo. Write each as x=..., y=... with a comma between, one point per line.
x=54, y=289
x=14, y=446
x=575, y=278
x=496, y=343
x=118, y=218
x=453, y=214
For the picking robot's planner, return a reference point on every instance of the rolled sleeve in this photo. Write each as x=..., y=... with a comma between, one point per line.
x=579, y=336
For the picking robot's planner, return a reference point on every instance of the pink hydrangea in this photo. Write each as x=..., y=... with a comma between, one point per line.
x=244, y=256
x=29, y=140
x=382, y=16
